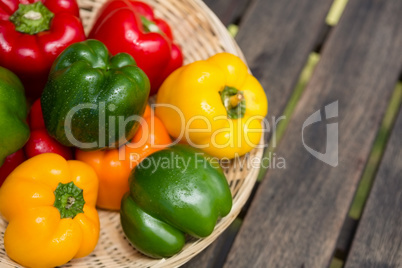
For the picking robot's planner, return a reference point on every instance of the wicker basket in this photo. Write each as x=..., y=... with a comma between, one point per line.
x=200, y=34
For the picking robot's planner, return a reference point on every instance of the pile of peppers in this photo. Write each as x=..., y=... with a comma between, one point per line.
x=77, y=133
x=113, y=167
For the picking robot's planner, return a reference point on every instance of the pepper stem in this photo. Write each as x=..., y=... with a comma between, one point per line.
x=150, y=26
x=32, y=18
x=234, y=102
x=236, y=99
x=69, y=200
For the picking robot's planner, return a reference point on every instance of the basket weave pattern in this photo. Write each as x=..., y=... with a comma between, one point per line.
x=200, y=34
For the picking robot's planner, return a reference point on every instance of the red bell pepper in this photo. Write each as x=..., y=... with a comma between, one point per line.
x=40, y=141
x=10, y=163
x=131, y=26
x=32, y=35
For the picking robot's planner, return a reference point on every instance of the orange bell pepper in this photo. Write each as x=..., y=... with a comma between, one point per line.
x=113, y=167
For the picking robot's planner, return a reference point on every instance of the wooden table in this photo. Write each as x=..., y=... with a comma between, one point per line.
x=298, y=215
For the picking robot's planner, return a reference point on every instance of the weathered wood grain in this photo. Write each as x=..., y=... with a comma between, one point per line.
x=297, y=214
x=276, y=38
x=228, y=11
x=378, y=241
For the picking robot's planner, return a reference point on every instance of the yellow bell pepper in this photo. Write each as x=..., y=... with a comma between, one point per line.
x=214, y=105
x=50, y=206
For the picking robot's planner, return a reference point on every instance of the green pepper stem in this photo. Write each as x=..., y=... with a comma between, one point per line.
x=32, y=18
x=69, y=200
x=234, y=102
x=150, y=26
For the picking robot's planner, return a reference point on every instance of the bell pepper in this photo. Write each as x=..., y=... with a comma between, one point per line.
x=14, y=131
x=172, y=192
x=33, y=34
x=10, y=163
x=40, y=141
x=50, y=206
x=131, y=26
x=214, y=105
x=113, y=167
x=92, y=99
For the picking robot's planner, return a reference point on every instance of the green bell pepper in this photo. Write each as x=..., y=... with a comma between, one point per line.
x=14, y=131
x=92, y=97
x=172, y=192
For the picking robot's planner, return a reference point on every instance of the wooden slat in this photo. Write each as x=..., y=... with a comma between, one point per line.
x=297, y=214
x=378, y=241
x=276, y=38
x=228, y=11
